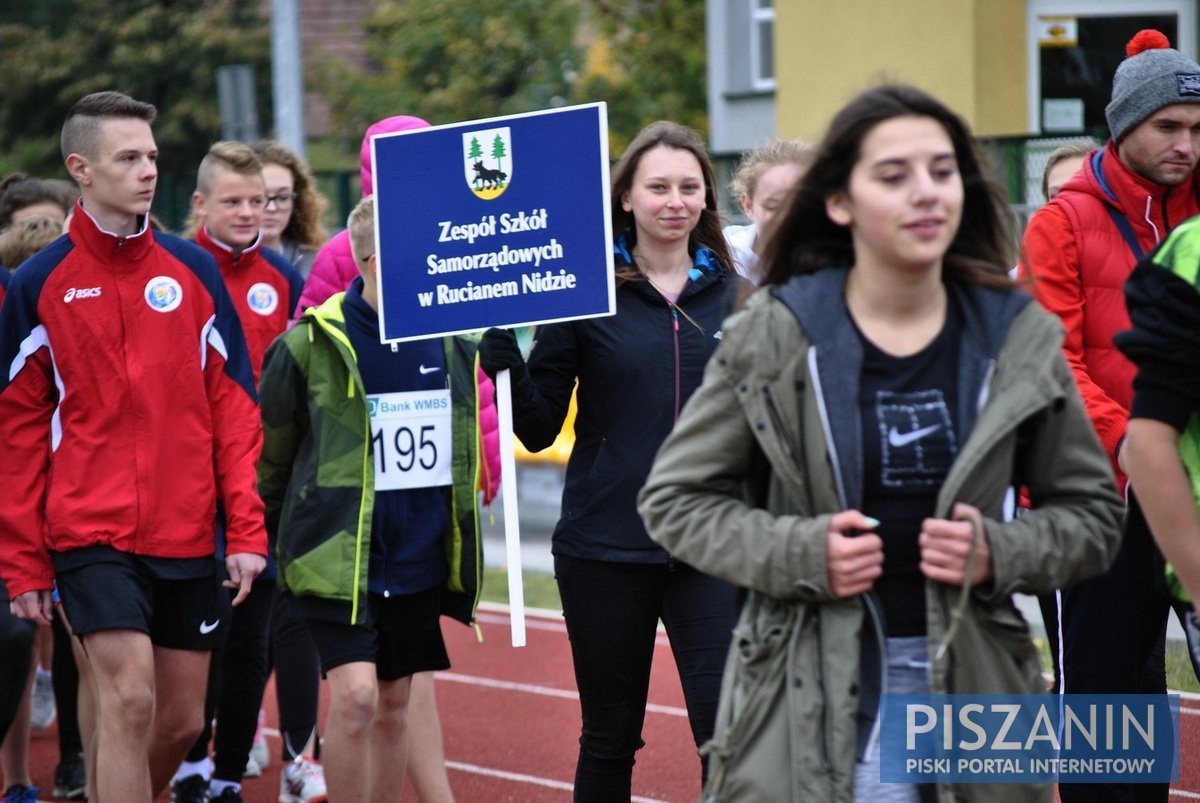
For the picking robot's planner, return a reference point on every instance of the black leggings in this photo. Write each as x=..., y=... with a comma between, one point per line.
x=263, y=633
x=243, y=678
x=1113, y=629
x=297, y=678
x=66, y=691
x=16, y=645
x=612, y=612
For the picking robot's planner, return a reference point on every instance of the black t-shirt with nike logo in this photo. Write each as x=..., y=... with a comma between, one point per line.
x=909, y=443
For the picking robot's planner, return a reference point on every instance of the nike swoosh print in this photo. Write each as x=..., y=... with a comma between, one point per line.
x=898, y=440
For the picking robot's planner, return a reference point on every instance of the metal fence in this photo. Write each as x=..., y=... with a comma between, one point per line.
x=1020, y=163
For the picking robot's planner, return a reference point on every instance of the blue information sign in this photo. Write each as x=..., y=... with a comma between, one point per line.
x=498, y=222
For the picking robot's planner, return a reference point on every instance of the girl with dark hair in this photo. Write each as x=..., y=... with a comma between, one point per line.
x=23, y=197
x=851, y=455
x=635, y=370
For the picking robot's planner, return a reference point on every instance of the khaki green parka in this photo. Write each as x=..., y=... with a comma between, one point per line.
x=766, y=451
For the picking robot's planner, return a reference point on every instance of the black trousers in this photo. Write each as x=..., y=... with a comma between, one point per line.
x=262, y=632
x=1113, y=630
x=612, y=612
x=66, y=691
x=297, y=677
x=237, y=676
x=16, y=647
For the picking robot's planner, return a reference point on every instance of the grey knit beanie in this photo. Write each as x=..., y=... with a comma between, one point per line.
x=1152, y=77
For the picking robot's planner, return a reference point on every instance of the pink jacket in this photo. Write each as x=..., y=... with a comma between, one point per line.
x=333, y=269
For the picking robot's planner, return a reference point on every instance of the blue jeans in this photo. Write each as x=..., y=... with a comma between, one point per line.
x=907, y=673
x=612, y=612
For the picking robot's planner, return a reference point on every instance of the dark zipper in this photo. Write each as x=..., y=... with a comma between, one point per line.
x=826, y=764
x=1166, y=219
x=777, y=420
x=675, y=340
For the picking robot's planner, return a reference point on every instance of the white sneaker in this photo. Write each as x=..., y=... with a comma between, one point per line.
x=260, y=753
x=42, y=714
x=302, y=781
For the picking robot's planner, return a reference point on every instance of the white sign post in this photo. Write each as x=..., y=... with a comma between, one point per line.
x=512, y=519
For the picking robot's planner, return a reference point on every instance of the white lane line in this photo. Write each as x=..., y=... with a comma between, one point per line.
x=545, y=691
x=508, y=776
x=530, y=623
x=530, y=779
x=500, y=607
x=493, y=613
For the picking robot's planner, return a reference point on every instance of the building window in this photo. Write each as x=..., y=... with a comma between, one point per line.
x=762, y=44
x=1074, y=47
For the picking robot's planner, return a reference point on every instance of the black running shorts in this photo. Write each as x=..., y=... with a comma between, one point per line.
x=403, y=636
x=119, y=591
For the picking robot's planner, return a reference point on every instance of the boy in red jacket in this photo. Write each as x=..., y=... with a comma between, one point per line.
x=227, y=211
x=124, y=376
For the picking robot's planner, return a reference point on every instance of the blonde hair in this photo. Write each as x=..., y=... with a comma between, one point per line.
x=1072, y=150
x=22, y=240
x=361, y=224
x=756, y=162
x=234, y=157
x=224, y=156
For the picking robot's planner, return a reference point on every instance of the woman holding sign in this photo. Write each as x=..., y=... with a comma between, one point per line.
x=635, y=371
x=850, y=453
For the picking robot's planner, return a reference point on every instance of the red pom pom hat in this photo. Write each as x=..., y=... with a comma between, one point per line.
x=1152, y=77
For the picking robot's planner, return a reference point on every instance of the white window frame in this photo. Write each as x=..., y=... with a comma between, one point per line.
x=759, y=15
x=1184, y=11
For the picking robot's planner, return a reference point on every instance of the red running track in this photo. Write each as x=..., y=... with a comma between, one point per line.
x=511, y=724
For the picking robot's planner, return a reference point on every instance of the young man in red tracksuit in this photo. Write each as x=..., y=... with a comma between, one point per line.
x=127, y=410
x=227, y=210
x=1080, y=248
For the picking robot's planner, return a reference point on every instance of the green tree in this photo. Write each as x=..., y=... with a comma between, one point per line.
x=498, y=151
x=476, y=150
x=648, y=62
x=164, y=52
x=446, y=61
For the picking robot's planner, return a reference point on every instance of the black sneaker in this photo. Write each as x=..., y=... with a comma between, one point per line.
x=70, y=778
x=229, y=795
x=191, y=789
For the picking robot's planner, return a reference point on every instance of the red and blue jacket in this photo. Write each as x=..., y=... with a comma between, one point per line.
x=3, y=282
x=265, y=288
x=127, y=404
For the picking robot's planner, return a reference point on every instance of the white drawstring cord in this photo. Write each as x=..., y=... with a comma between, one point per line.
x=1157, y=238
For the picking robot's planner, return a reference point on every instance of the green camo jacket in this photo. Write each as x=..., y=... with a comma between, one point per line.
x=317, y=474
x=746, y=484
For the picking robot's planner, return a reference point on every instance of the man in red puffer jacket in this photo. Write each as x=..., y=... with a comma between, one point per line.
x=1080, y=248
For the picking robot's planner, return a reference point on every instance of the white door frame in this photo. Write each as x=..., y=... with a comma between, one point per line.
x=1185, y=11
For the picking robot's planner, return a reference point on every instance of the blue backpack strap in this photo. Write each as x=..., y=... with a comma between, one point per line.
x=1122, y=224
x=1118, y=217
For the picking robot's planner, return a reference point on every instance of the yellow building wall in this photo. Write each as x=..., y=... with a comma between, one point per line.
x=968, y=53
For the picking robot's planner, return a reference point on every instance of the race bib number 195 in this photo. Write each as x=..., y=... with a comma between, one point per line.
x=410, y=435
